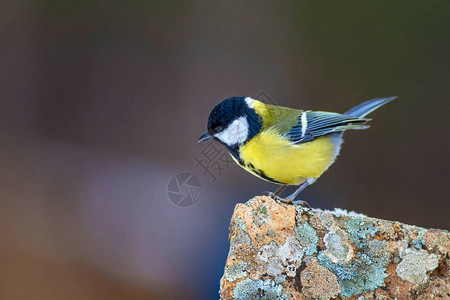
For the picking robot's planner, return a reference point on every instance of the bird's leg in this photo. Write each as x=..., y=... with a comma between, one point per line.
x=280, y=189
x=290, y=199
x=275, y=194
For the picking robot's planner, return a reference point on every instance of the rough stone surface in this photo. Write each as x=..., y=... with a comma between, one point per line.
x=280, y=251
x=319, y=282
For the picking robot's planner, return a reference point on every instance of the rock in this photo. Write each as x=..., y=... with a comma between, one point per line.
x=281, y=251
x=319, y=282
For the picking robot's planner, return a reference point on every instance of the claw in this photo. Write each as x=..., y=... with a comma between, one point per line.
x=286, y=200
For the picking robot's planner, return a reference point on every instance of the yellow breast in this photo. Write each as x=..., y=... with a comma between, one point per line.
x=272, y=156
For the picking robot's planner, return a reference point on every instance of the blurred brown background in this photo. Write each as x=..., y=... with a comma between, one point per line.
x=102, y=103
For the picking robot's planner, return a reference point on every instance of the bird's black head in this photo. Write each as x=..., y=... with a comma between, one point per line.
x=233, y=122
x=226, y=112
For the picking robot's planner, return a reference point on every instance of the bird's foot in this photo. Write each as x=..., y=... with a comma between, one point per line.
x=273, y=196
x=286, y=200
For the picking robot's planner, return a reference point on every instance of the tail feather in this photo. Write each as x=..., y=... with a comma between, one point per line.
x=367, y=107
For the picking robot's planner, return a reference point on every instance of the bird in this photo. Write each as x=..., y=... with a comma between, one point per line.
x=283, y=145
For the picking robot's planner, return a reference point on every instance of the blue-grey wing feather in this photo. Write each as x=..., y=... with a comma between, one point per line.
x=318, y=123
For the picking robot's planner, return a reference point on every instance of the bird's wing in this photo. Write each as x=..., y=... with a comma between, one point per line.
x=314, y=124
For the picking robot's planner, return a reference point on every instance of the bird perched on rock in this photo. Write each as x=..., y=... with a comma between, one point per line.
x=283, y=145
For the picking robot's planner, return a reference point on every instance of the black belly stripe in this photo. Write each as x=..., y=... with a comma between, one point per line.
x=235, y=152
x=259, y=172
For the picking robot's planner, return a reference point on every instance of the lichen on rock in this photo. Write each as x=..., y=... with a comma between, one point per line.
x=307, y=237
x=281, y=251
x=236, y=271
x=338, y=249
x=257, y=289
x=415, y=264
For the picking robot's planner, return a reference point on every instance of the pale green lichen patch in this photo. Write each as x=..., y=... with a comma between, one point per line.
x=285, y=258
x=321, y=220
x=274, y=266
x=258, y=289
x=240, y=224
x=280, y=279
x=291, y=254
x=377, y=246
x=268, y=255
x=267, y=251
x=415, y=264
x=336, y=249
x=307, y=237
x=236, y=271
x=419, y=242
x=240, y=239
x=359, y=275
x=359, y=229
x=251, y=201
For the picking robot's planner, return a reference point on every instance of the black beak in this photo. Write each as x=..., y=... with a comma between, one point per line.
x=206, y=136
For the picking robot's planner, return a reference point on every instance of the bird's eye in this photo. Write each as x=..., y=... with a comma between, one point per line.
x=218, y=129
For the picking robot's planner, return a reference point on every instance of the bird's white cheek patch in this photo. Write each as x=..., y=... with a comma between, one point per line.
x=235, y=133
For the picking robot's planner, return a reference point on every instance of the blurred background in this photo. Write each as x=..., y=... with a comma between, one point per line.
x=102, y=103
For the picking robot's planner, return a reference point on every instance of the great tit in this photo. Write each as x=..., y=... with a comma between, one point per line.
x=283, y=145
